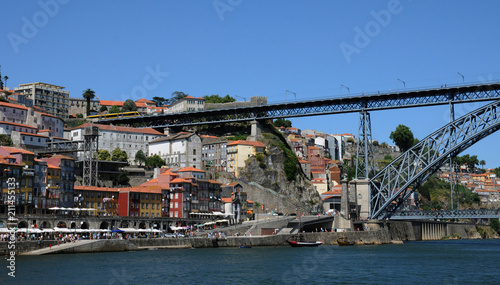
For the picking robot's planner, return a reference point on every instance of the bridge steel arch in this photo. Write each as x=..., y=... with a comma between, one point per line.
x=390, y=187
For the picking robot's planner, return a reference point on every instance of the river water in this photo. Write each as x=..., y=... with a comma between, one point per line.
x=438, y=262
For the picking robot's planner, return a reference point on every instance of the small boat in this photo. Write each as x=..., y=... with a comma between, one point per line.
x=294, y=243
x=245, y=246
x=344, y=241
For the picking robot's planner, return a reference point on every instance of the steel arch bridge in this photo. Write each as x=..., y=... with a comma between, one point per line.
x=314, y=107
x=390, y=187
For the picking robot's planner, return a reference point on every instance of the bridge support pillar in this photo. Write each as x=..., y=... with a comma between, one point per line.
x=362, y=198
x=364, y=159
x=255, y=131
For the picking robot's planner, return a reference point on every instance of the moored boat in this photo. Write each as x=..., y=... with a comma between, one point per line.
x=344, y=241
x=245, y=246
x=294, y=243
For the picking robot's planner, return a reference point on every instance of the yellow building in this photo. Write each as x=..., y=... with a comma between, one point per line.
x=239, y=151
x=53, y=192
x=19, y=165
x=149, y=200
x=102, y=199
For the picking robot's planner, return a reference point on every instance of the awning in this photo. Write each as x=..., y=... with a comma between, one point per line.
x=129, y=230
x=222, y=221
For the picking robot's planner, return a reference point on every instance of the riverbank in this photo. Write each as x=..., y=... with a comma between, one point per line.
x=376, y=234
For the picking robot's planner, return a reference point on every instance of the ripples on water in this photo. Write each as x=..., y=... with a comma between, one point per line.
x=440, y=262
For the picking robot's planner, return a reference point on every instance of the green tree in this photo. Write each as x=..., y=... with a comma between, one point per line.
x=119, y=155
x=375, y=143
x=482, y=163
x=79, y=116
x=388, y=157
x=176, y=96
x=104, y=155
x=129, y=106
x=217, y=99
x=122, y=179
x=103, y=109
x=384, y=145
x=282, y=123
x=140, y=157
x=114, y=109
x=350, y=140
x=495, y=225
x=154, y=161
x=159, y=101
x=5, y=140
x=403, y=137
x=88, y=94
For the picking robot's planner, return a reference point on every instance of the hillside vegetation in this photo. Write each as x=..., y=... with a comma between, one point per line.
x=435, y=194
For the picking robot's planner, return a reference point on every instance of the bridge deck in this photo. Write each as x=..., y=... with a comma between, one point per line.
x=324, y=106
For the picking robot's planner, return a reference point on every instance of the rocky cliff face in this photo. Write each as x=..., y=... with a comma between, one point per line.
x=269, y=184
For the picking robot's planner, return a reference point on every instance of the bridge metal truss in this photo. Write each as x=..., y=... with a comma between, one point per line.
x=61, y=147
x=367, y=102
x=390, y=187
x=447, y=214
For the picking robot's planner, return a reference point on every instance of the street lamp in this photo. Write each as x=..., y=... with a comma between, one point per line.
x=288, y=91
x=463, y=78
x=397, y=83
x=348, y=90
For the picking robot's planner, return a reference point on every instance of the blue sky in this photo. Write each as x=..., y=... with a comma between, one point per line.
x=131, y=49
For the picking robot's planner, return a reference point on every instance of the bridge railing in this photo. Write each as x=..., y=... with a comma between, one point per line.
x=447, y=214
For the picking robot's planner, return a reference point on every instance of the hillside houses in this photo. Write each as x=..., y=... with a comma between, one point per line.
x=486, y=185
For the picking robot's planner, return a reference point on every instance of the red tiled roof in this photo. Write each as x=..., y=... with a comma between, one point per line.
x=10, y=105
x=244, y=142
x=16, y=150
x=143, y=100
x=180, y=180
x=95, y=188
x=33, y=135
x=52, y=166
x=149, y=131
x=186, y=169
x=16, y=124
x=111, y=103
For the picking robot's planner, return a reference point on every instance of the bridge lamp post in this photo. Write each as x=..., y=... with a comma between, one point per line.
x=288, y=91
x=348, y=90
x=463, y=78
x=397, y=83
